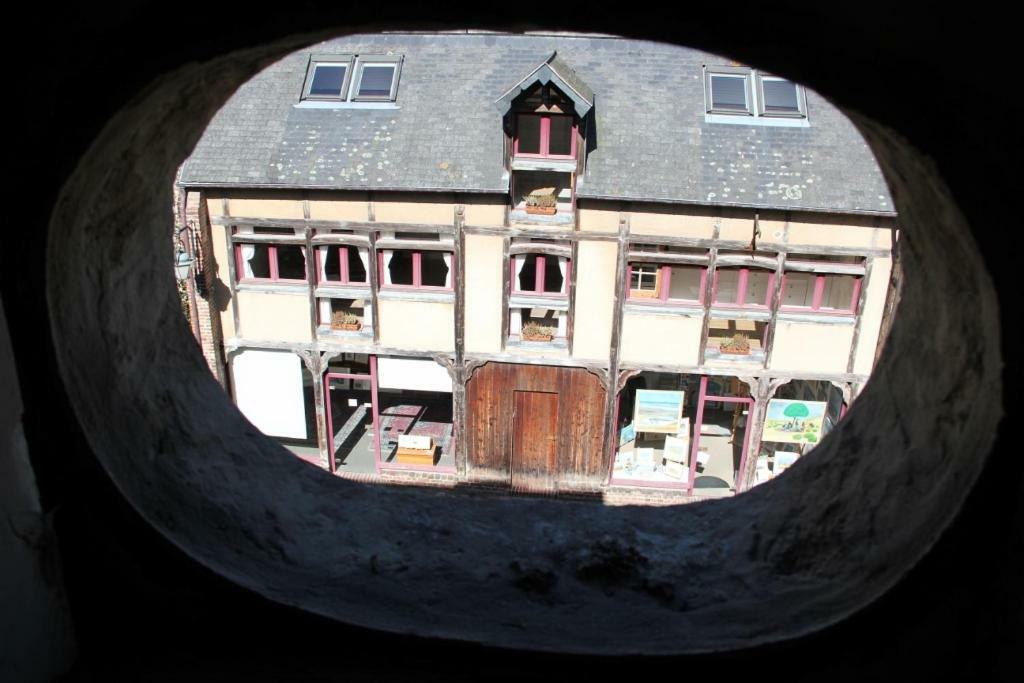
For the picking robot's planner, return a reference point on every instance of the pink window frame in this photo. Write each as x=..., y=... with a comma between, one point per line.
x=545, y=138
x=417, y=271
x=665, y=282
x=539, y=276
x=741, y=290
x=271, y=260
x=342, y=268
x=819, y=295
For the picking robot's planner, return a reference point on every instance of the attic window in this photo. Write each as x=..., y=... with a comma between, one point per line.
x=747, y=93
x=377, y=78
x=352, y=78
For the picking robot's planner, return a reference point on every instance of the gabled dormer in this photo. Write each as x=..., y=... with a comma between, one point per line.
x=545, y=118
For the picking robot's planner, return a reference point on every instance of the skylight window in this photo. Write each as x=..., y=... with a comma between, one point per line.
x=745, y=92
x=352, y=78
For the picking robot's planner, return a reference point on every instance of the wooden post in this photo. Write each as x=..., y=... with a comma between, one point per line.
x=456, y=368
x=762, y=391
x=609, y=438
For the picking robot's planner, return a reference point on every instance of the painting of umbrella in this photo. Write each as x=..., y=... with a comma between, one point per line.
x=658, y=411
x=794, y=421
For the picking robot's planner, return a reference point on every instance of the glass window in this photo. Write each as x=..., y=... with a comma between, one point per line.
x=780, y=96
x=434, y=269
x=400, y=267
x=560, y=137
x=685, y=283
x=729, y=92
x=528, y=141
x=328, y=80
x=375, y=80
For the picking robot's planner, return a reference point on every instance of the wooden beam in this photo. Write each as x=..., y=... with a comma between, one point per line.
x=356, y=226
x=769, y=345
x=571, y=315
x=232, y=277
x=374, y=286
x=506, y=284
x=456, y=366
x=668, y=257
x=861, y=301
x=542, y=233
x=709, y=282
x=311, y=277
x=609, y=438
x=540, y=248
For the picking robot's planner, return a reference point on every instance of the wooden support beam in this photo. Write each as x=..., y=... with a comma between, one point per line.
x=609, y=439
x=506, y=284
x=456, y=366
x=571, y=315
x=374, y=286
x=776, y=301
x=232, y=277
x=311, y=278
x=859, y=318
x=709, y=283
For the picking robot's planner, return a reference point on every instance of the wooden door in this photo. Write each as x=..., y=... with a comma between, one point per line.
x=534, y=440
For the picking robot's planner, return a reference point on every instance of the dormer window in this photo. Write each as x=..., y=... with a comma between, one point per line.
x=548, y=136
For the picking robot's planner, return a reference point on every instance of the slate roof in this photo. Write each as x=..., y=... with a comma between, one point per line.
x=652, y=140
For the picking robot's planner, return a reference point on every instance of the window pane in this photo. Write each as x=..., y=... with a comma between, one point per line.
x=799, y=289
x=528, y=274
x=838, y=292
x=780, y=96
x=685, y=283
x=259, y=261
x=376, y=81
x=400, y=267
x=331, y=262
x=291, y=262
x=757, y=287
x=728, y=280
x=529, y=134
x=729, y=92
x=327, y=80
x=356, y=269
x=553, y=279
x=433, y=269
x=560, y=140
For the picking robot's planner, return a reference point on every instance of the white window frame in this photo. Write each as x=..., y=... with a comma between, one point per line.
x=328, y=60
x=753, y=82
x=376, y=60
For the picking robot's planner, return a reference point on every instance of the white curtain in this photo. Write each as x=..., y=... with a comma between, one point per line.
x=515, y=321
x=248, y=251
x=322, y=277
x=563, y=319
x=448, y=262
x=562, y=263
x=388, y=254
x=365, y=259
x=519, y=261
x=325, y=311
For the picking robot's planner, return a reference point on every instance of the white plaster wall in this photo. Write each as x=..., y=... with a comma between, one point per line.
x=595, y=289
x=661, y=339
x=273, y=317
x=417, y=325
x=483, y=278
x=871, y=321
x=811, y=347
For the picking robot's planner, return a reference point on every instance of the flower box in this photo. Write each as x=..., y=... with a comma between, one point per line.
x=542, y=210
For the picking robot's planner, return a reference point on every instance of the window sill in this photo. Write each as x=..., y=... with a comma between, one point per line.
x=332, y=104
x=364, y=332
x=542, y=164
x=745, y=119
x=665, y=308
x=343, y=291
x=514, y=343
x=741, y=313
x=385, y=294
x=294, y=288
x=713, y=355
x=559, y=219
x=554, y=303
x=815, y=317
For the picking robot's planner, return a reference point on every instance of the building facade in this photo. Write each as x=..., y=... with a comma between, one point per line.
x=558, y=264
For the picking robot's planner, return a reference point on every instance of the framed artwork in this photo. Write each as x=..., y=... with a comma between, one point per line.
x=789, y=421
x=626, y=434
x=676, y=448
x=658, y=411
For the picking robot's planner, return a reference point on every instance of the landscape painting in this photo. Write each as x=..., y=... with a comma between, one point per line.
x=658, y=411
x=794, y=421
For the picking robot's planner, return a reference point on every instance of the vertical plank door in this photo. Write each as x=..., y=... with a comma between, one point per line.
x=534, y=441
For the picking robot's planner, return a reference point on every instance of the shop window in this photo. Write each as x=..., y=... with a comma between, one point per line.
x=681, y=431
x=551, y=136
x=743, y=287
x=342, y=265
x=415, y=269
x=268, y=261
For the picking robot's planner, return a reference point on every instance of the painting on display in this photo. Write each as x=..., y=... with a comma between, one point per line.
x=658, y=411
x=791, y=421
